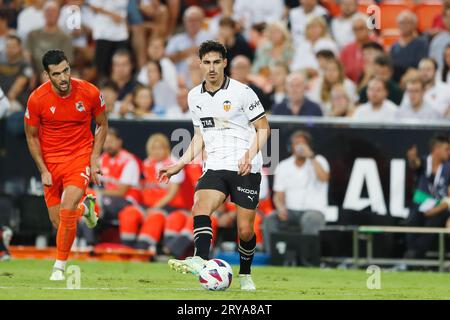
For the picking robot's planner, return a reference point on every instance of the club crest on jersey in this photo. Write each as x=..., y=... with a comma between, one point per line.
x=227, y=105
x=53, y=109
x=80, y=106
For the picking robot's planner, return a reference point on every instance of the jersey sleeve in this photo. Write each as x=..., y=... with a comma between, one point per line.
x=195, y=117
x=98, y=101
x=253, y=108
x=32, y=113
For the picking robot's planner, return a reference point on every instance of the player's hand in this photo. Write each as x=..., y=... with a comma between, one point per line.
x=307, y=152
x=244, y=166
x=164, y=174
x=282, y=214
x=46, y=178
x=95, y=173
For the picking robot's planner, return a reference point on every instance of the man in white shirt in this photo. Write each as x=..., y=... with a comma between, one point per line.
x=249, y=13
x=4, y=104
x=30, y=18
x=342, y=27
x=109, y=30
x=378, y=108
x=416, y=107
x=299, y=16
x=441, y=40
x=230, y=122
x=184, y=45
x=300, y=190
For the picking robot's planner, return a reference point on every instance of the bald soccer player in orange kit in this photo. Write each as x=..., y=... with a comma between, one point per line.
x=58, y=129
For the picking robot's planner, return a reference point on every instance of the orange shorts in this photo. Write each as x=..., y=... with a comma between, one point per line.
x=75, y=172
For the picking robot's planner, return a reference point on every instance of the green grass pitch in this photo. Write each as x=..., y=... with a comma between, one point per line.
x=28, y=279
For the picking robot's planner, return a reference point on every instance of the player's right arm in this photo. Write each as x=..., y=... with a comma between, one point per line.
x=32, y=134
x=195, y=147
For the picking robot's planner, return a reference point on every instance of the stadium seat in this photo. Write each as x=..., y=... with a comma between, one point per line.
x=34, y=216
x=426, y=12
x=332, y=7
x=389, y=12
x=363, y=5
x=389, y=37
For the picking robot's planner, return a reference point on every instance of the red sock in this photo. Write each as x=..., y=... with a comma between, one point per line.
x=66, y=232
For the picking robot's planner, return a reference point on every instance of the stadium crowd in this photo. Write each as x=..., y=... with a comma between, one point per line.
x=301, y=57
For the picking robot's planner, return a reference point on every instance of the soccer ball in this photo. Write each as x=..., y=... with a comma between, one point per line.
x=216, y=275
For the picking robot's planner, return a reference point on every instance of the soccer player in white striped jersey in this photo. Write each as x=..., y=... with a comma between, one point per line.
x=230, y=123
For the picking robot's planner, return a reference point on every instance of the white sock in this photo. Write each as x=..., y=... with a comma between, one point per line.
x=59, y=264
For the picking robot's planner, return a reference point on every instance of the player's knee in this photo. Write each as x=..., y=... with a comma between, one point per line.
x=246, y=232
x=55, y=222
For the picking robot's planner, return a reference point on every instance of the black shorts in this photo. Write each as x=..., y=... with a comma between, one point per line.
x=243, y=190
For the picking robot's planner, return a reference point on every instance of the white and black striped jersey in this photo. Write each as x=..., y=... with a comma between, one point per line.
x=225, y=119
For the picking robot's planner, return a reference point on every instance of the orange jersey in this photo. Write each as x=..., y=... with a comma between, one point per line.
x=64, y=123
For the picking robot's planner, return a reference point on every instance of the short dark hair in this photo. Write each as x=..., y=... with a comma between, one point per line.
x=4, y=14
x=227, y=22
x=54, y=56
x=114, y=132
x=326, y=54
x=384, y=60
x=14, y=36
x=123, y=52
x=108, y=84
x=212, y=46
x=384, y=83
x=301, y=133
x=438, y=139
x=373, y=45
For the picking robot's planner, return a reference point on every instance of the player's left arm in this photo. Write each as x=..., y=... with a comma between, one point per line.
x=101, y=130
x=262, y=135
x=255, y=113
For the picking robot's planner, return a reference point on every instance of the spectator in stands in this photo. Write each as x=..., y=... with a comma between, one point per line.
x=352, y=56
x=240, y=71
x=323, y=58
x=438, y=21
x=163, y=94
x=150, y=19
x=16, y=73
x=416, y=106
x=437, y=93
x=278, y=75
x=250, y=13
x=30, y=18
x=316, y=39
x=155, y=52
x=5, y=106
x=122, y=74
x=444, y=71
x=296, y=104
x=378, y=108
x=162, y=201
x=234, y=41
x=300, y=190
x=299, y=17
x=225, y=13
x=110, y=92
x=79, y=31
x=431, y=199
x=341, y=102
x=321, y=92
x=371, y=51
x=181, y=109
x=278, y=48
x=183, y=45
x=142, y=102
x=109, y=30
x=4, y=30
x=342, y=26
x=41, y=40
x=120, y=180
x=384, y=69
x=441, y=40
x=410, y=48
